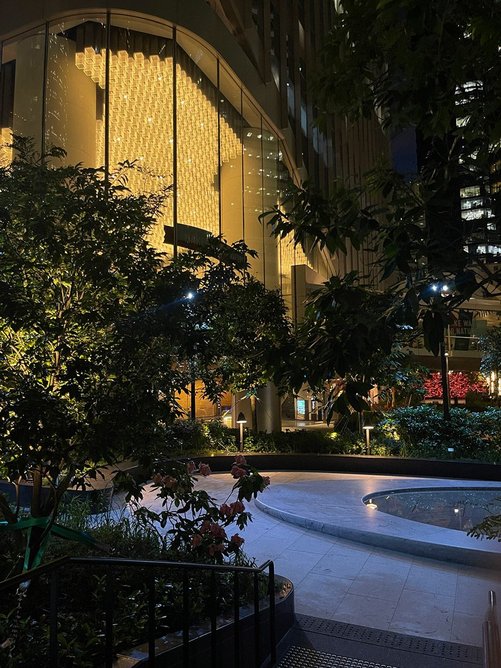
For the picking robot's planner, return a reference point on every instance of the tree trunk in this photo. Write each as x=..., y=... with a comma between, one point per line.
x=253, y=407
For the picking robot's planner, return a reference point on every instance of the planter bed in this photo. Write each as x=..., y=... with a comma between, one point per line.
x=374, y=465
x=169, y=649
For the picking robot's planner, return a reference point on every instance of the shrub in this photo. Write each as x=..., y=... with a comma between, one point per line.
x=421, y=431
x=221, y=437
x=186, y=435
x=200, y=437
x=305, y=440
x=189, y=527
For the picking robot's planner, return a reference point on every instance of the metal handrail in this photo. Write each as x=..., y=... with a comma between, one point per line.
x=491, y=638
x=110, y=563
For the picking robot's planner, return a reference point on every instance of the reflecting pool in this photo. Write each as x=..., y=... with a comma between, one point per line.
x=459, y=508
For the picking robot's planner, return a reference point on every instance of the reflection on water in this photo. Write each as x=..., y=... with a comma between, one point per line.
x=458, y=508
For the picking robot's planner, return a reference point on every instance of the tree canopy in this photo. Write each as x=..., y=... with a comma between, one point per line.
x=97, y=334
x=432, y=67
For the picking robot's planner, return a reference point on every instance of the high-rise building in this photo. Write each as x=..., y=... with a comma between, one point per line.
x=467, y=221
x=210, y=96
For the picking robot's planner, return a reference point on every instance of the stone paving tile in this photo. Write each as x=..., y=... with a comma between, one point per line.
x=341, y=566
x=472, y=591
x=365, y=610
x=355, y=583
x=320, y=593
x=424, y=614
x=391, y=565
x=320, y=545
x=439, y=579
x=375, y=585
x=296, y=565
x=467, y=629
x=341, y=546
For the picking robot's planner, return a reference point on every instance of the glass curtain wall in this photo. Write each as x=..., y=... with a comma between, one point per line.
x=74, y=90
x=140, y=116
x=21, y=90
x=116, y=89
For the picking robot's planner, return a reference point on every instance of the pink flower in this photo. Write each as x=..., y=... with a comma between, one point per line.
x=205, y=526
x=204, y=470
x=190, y=467
x=196, y=540
x=232, y=509
x=240, y=459
x=217, y=531
x=237, y=507
x=237, y=540
x=169, y=482
x=215, y=547
x=225, y=510
x=157, y=479
x=238, y=472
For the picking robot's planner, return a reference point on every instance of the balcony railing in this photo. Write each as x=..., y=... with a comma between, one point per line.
x=454, y=344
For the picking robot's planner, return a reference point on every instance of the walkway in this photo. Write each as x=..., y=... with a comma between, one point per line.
x=355, y=583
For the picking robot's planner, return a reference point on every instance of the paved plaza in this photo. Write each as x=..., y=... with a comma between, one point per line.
x=353, y=582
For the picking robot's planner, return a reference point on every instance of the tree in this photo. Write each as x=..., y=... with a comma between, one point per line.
x=400, y=379
x=238, y=335
x=490, y=345
x=434, y=67
x=96, y=331
x=81, y=383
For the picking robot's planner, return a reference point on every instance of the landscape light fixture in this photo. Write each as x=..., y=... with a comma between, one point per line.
x=367, y=429
x=241, y=420
x=190, y=295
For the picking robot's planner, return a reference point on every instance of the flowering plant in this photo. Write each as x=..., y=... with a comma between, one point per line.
x=195, y=524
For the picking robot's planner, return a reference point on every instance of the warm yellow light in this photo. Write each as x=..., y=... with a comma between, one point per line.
x=141, y=129
x=6, y=153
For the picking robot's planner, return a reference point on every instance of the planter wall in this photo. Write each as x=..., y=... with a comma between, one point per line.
x=200, y=648
x=427, y=468
x=95, y=497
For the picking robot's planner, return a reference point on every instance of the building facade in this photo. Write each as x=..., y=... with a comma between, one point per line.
x=209, y=96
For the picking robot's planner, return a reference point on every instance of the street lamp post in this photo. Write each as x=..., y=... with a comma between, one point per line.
x=241, y=420
x=444, y=362
x=444, y=290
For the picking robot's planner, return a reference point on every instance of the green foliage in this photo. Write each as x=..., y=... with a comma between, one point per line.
x=230, y=341
x=489, y=528
x=299, y=441
x=339, y=337
x=81, y=380
x=400, y=379
x=490, y=345
x=194, y=436
x=420, y=431
x=190, y=520
x=97, y=338
x=421, y=65
x=189, y=526
x=313, y=220
x=411, y=63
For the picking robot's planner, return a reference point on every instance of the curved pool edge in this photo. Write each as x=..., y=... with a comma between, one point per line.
x=454, y=550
